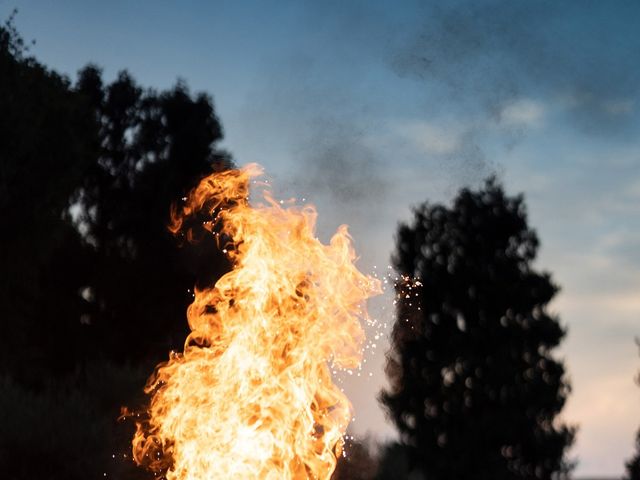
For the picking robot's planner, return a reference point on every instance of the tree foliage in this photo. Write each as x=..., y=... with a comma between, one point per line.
x=47, y=143
x=474, y=388
x=633, y=465
x=93, y=287
x=393, y=463
x=357, y=462
x=154, y=147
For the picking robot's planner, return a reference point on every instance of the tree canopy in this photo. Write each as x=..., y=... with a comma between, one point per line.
x=474, y=387
x=154, y=147
x=89, y=172
x=48, y=140
x=93, y=287
x=633, y=465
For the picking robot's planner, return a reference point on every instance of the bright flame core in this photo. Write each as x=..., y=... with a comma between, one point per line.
x=252, y=397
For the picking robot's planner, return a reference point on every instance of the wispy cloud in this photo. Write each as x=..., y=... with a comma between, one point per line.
x=487, y=55
x=522, y=112
x=430, y=138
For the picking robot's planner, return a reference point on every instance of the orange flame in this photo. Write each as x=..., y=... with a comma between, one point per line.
x=251, y=396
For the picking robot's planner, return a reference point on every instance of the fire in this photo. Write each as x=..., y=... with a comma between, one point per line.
x=252, y=396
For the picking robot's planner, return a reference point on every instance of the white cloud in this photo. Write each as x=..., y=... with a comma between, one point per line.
x=610, y=106
x=523, y=112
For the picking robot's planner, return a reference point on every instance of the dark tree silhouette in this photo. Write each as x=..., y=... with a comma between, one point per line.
x=89, y=273
x=474, y=389
x=154, y=149
x=358, y=461
x=48, y=139
x=393, y=463
x=88, y=175
x=633, y=465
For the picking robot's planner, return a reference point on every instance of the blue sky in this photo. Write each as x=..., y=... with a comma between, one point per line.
x=366, y=108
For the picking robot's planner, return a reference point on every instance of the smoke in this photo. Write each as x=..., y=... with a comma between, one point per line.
x=337, y=161
x=485, y=56
x=489, y=71
x=331, y=154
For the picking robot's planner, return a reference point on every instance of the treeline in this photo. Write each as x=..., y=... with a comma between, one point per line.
x=93, y=291
x=93, y=288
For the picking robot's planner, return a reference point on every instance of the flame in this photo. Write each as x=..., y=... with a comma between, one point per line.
x=252, y=396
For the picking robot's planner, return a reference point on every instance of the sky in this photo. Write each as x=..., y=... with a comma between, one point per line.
x=367, y=108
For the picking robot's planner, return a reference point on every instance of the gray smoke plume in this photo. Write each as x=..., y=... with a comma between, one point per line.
x=486, y=55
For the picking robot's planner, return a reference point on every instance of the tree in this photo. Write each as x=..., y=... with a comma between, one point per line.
x=633, y=465
x=88, y=175
x=48, y=139
x=474, y=387
x=357, y=462
x=155, y=147
x=92, y=285
x=394, y=463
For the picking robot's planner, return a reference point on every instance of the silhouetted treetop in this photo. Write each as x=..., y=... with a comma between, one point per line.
x=154, y=148
x=633, y=465
x=474, y=389
x=48, y=141
x=93, y=287
x=88, y=175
